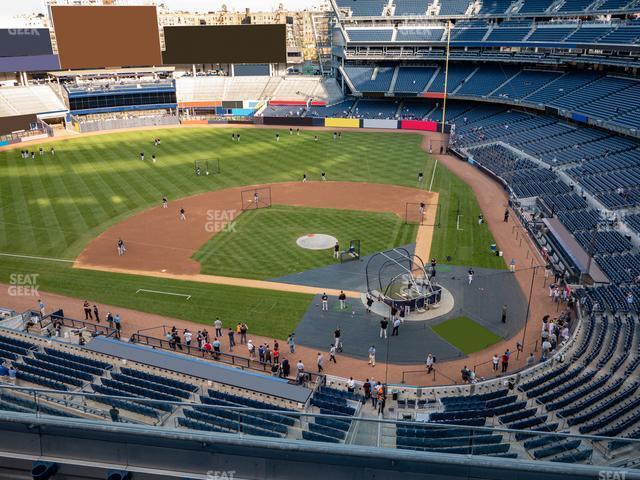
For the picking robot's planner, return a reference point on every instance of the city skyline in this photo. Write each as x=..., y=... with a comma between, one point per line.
x=10, y=10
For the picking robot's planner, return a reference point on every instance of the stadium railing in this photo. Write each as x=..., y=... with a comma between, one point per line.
x=609, y=449
x=92, y=328
x=222, y=357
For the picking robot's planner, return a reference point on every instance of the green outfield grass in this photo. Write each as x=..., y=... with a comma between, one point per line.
x=262, y=243
x=466, y=335
x=54, y=205
x=266, y=312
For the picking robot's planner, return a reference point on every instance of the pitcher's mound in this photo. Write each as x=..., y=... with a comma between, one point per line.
x=316, y=241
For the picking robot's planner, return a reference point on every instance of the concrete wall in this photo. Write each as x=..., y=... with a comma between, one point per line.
x=86, y=448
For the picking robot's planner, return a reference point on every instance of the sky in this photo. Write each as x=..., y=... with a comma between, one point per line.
x=11, y=8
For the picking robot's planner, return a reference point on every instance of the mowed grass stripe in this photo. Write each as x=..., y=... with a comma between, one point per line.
x=51, y=229
x=21, y=218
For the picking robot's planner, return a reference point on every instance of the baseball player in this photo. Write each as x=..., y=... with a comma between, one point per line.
x=304, y=178
x=142, y=156
x=325, y=302
x=165, y=203
x=256, y=198
x=183, y=216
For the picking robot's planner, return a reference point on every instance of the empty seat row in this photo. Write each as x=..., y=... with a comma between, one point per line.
x=50, y=374
x=79, y=359
x=158, y=379
x=174, y=392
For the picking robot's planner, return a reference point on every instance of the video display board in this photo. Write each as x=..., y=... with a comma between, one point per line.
x=225, y=44
x=106, y=36
x=22, y=42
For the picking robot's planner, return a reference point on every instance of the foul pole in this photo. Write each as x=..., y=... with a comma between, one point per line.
x=446, y=77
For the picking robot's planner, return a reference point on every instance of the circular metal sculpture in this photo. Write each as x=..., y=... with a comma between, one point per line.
x=400, y=279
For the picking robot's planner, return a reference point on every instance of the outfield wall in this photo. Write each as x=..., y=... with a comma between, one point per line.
x=342, y=122
x=392, y=124
x=423, y=126
x=426, y=126
x=123, y=123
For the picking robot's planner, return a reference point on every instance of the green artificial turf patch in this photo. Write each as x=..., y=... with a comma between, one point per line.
x=466, y=335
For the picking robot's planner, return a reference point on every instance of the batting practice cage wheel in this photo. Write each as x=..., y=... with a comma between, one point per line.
x=399, y=279
x=206, y=167
x=352, y=253
x=413, y=214
x=254, y=198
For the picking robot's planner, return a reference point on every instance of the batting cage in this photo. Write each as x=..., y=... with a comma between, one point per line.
x=254, y=198
x=399, y=279
x=206, y=167
x=427, y=214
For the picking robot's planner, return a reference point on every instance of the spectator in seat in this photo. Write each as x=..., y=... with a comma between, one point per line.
x=114, y=413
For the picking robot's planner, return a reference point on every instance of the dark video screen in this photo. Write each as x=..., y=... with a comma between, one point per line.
x=225, y=44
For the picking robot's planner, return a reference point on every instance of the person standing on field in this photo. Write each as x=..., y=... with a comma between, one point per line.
x=384, y=324
x=372, y=356
x=320, y=362
x=332, y=353
x=325, y=302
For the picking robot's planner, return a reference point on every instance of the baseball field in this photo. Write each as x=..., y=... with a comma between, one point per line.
x=53, y=206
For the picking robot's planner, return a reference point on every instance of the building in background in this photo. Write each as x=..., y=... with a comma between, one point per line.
x=302, y=35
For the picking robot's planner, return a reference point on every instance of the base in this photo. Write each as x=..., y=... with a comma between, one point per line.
x=445, y=306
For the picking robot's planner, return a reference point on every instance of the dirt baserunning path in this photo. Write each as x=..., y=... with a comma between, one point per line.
x=160, y=244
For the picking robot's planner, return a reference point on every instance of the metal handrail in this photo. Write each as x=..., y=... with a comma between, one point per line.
x=228, y=358
x=36, y=392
